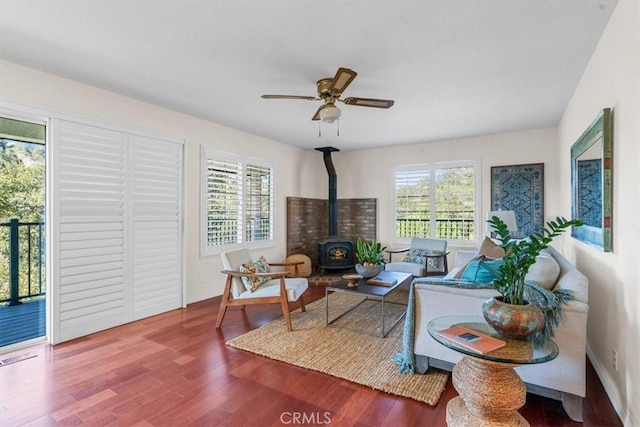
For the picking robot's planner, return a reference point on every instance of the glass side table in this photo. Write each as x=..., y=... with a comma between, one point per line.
x=490, y=391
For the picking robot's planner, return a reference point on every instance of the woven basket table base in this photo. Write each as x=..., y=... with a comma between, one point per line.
x=490, y=395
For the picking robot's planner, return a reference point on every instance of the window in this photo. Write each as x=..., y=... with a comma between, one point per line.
x=237, y=201
x=436, y=200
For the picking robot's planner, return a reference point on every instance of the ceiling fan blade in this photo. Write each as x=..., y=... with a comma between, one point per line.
x=308, y=98
x=316, y=116
x=342, y=79
x=369, y=102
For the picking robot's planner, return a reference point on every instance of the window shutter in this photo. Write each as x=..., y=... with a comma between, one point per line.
x=116, y=227
x=156, y=191
x=259, y=203
x=237, y=196
x=89, y=202
x=224, y=196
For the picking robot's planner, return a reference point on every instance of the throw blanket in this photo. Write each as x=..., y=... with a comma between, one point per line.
x=547, y=301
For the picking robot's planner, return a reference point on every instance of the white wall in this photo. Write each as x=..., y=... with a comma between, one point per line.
x=612, y=79
x=300, y=173
x=37, y=89
x=369, y=173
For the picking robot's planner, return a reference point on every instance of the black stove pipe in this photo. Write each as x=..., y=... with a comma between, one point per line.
x=333, y=189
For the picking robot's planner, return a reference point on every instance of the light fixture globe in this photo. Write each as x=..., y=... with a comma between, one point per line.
x=330, y=114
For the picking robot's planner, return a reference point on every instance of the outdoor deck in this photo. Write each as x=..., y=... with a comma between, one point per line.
x=22, y=322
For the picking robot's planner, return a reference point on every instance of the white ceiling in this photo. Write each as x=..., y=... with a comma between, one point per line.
x=454, y=68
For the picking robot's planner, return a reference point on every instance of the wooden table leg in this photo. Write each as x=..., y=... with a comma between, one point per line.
x=490, y=394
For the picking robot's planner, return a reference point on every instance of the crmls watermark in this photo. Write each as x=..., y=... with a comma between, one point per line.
x=299, y=418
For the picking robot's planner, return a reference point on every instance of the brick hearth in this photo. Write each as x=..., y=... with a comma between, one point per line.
x=308, y=223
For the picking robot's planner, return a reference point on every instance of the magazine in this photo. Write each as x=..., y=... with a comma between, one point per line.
x=471, y=340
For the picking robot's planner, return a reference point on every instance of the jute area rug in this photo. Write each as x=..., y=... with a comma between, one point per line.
x=353, y=356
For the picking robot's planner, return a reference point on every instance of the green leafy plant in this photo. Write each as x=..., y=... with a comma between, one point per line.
x=520, y=255
x=369, y=254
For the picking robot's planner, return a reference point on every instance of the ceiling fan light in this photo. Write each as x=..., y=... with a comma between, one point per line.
x=330, y=114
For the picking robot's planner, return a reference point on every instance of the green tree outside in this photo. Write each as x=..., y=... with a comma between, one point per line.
x=454, y=203
x=22, y=190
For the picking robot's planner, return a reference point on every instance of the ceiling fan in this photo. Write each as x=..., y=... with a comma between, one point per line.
x=329, y=90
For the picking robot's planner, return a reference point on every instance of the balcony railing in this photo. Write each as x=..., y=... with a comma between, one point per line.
x=22, y=273
x=446, y=228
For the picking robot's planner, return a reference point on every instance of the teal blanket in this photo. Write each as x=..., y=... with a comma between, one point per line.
x=547, y=301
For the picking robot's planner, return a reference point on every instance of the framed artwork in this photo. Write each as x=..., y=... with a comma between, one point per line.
x=520, y=188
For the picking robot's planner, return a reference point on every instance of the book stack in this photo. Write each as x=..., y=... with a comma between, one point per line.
x=385, y=278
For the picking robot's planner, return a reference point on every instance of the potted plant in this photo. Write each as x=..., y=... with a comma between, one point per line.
x=509, y=279
x=370, y=258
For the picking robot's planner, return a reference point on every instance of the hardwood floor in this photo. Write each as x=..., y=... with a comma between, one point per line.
x=175, y=370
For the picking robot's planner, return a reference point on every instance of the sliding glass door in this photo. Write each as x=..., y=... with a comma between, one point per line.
x=23, y=284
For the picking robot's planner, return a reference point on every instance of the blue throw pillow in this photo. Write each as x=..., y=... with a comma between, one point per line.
x=482, y=271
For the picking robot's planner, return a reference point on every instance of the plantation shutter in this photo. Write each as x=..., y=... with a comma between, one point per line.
x=156, y=190
x=224, y=195
x=259, y=203
x=116, y=228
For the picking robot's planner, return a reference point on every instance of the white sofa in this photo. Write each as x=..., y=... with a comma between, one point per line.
x=562, y=378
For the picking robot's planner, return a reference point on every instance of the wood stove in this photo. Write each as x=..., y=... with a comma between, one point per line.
x=334, y=252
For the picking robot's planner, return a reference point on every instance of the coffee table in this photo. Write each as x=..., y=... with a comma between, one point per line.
x=370, y=292
x=490, y=390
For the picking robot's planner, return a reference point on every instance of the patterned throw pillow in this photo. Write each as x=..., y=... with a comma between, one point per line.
x=259, y=266
x=416, y=256
x=435, y=263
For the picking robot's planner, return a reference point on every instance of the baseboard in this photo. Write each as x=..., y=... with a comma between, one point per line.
x=22, y=345
x=612, y=391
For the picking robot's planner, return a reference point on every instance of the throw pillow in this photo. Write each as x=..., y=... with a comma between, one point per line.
x=481, y=270
x=488, y=249
x=435, y=263
x=461, y=271
x=545, y=271
x=415, y=256
x=259, y=266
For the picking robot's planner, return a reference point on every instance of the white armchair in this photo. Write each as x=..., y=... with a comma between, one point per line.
x=271, y=287
x=423, y=257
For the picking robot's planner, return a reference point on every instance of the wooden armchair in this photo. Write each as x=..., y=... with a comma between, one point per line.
x=276, y=287
x=424, y=257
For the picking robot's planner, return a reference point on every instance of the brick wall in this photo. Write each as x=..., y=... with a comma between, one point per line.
x=308, y=223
